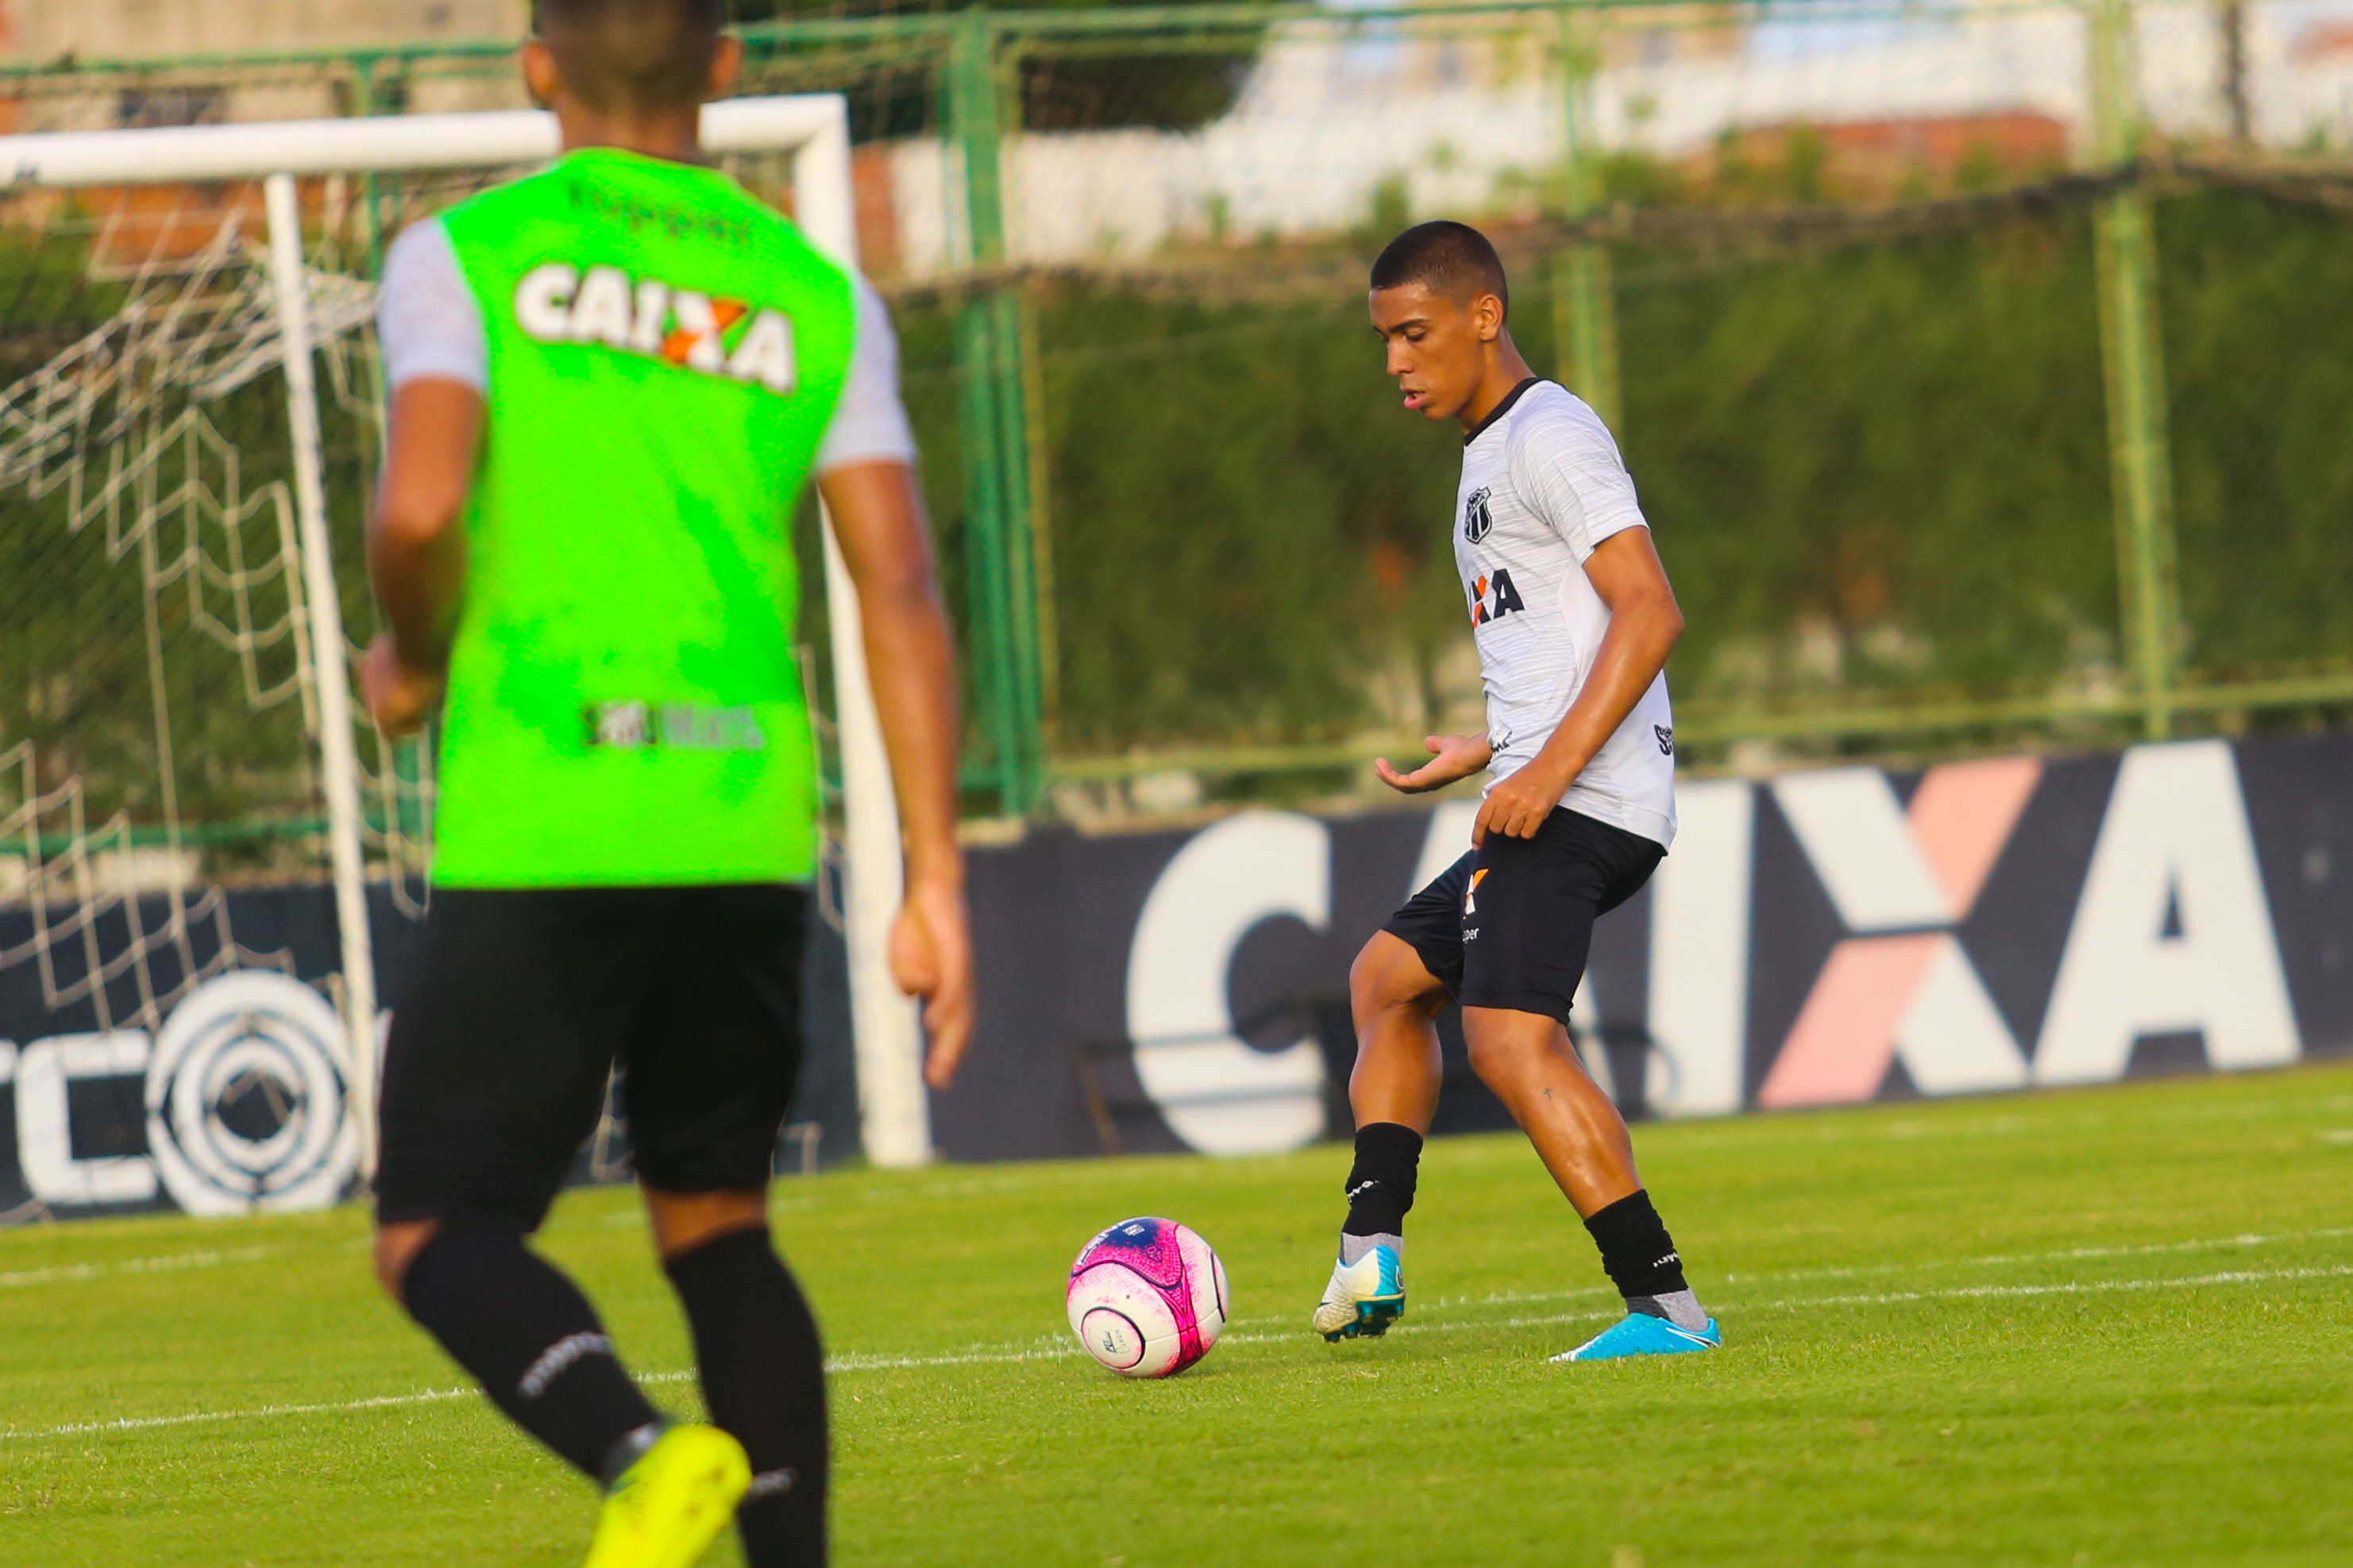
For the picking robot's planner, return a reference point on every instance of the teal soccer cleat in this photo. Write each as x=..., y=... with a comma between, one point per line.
x=1638, y=1333
x=1364, y=1297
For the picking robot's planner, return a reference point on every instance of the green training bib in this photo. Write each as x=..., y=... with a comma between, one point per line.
x=625, y=703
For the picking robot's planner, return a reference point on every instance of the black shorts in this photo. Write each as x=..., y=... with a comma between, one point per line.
x=521, y=1004
x=1509, y=924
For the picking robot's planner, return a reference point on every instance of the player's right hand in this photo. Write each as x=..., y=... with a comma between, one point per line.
x=398, y=698
x=931, y=957
x=1453, y=757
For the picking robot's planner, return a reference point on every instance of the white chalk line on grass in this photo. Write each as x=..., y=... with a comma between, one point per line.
x=1037, y=1352
x=221, y=1258
x=2058, y=1255
x=1987, y=1260
x=2062, y=1288
x=169, y=1262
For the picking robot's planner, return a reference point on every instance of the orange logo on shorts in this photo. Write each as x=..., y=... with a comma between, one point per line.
x=1470, y=895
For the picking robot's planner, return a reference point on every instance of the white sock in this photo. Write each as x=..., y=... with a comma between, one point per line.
x=1354, y=1247
x=1680, y=1308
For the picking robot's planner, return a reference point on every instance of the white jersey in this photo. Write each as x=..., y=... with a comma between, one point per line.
x=1542, y=486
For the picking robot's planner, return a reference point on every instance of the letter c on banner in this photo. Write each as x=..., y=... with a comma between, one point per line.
x=1220, y=1095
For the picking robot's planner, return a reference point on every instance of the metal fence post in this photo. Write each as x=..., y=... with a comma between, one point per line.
x=1010, y=333
x=2133, y=359
x=1585, y=317
x=993, y=428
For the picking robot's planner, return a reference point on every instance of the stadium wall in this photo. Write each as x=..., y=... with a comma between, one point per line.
x=1819, y=938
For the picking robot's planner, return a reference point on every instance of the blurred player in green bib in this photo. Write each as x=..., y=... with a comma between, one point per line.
x=611, y=384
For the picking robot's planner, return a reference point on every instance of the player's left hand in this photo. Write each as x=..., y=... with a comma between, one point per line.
x=931, y=957
x=1518, y=806
x=398, y=698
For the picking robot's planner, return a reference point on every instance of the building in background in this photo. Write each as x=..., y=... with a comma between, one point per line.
x=44, y=32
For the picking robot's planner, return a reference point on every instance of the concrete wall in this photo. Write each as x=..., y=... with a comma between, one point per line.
x=45, y=29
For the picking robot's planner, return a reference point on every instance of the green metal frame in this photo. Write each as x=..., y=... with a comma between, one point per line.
x=2133, y=359
x=1585, y=315
x=992, y=397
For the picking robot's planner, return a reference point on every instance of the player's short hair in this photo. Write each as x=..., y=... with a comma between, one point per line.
x=633, y=54
x=1452, y=258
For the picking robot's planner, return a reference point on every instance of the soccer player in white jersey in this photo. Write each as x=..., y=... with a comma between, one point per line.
x=1574, y=619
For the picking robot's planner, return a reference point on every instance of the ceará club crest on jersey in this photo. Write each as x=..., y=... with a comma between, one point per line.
x=1476, y=518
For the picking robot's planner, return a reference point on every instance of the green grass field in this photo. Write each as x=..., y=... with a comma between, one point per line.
x=2107, y=1327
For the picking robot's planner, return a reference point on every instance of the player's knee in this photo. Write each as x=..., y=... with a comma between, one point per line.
x=1489, y=1059
x=1386, y=974
x=396, y=1246
x=685, y=1221
x=1500, y=1051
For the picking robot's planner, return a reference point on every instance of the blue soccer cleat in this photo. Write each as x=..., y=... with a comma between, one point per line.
x=1364, y=1297
x=1638, y=1333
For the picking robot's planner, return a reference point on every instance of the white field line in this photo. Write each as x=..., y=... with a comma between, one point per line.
x=855, y=1363
x=1987, y=1260
x=2064, y=1288
x=169, y=1262
x=2061, y=1255
x=77, y=1273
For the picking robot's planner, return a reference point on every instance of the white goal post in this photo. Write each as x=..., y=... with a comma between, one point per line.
x=814, y=129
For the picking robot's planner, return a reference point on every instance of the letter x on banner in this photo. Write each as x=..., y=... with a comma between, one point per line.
x=1901, y=988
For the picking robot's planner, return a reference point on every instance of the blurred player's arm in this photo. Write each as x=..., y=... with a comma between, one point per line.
x=866, y=475
x=878, y=517
x=1644, y=623
x=416, y=547
x=436, y=361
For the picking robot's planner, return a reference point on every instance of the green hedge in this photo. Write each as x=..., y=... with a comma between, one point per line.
x=1873, y=469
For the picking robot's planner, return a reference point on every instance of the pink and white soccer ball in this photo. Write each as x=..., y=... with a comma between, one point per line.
x=1147, y=1298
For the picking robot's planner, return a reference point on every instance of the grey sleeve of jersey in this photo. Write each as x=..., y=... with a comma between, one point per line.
x=869, y=424
x=429, y=324
x=1566, y=467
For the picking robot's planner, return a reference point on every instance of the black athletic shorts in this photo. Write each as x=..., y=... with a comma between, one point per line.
x=1510, y=923
x=519, y=1005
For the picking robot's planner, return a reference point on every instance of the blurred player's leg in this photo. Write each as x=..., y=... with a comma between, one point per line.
x=710, y=1077
x=763, y=1364
x=528, y=1336
x=494, y=1074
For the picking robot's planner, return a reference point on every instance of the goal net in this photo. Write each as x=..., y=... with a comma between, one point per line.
x=208, y=856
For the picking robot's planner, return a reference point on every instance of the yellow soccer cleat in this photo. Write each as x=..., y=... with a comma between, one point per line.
x=673, y=1502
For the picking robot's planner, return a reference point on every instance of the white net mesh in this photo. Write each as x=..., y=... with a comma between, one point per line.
x=158, y=734
x=163, y=815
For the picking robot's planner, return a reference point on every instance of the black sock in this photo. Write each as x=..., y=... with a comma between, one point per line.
x=532, y=1340
x=1380, y=1183
x=1636, y=1251
x=763, y=1378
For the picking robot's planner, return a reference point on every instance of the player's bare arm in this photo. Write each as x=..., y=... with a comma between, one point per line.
x=1645, y=623
x=878, y=516
x=417, y=548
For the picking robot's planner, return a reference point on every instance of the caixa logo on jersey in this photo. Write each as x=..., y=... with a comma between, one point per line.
x=246, y=1094
x=558, y=303
x=1493, y=597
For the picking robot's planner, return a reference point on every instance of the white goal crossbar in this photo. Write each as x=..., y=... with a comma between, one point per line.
x=814, y=129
